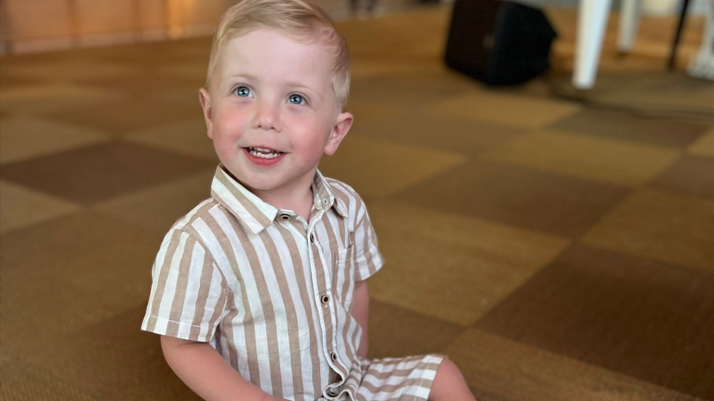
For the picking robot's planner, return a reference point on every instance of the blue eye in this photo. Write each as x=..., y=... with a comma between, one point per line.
x=242, y=91
x=296, y=99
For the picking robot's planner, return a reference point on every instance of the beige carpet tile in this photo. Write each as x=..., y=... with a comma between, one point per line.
x=653, y=41
x=8, y=81
x=391, y=168
x=618, y=312
x=141, y=83
x=618, y=125
x=193, y=71
x=500, y=108
x=370, y=110
x=499, y=369
x=70, y=68
x=132, y=363
x=187, y=137
x=554, y=204
x=450, y=267
x=690, y=175
x=161, y=205
x=36, y=58
x=185, y=94
x=21, y=207
x=45, y=314
x=34, y=250
x=131, y=114
x=63, y=274
x=659, y=225
x=153, y=55
x=430, y=132
x=398, y=37
x=26, y=138
x=413, y=89
x=24, y=382
x=392, y=332
x=704, y=146
x=639, y=82
x=53, y=97
x=617, y=162
x=656, y=91
x=100, y=172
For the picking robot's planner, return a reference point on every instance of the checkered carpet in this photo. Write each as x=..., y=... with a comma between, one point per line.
x=554, y=251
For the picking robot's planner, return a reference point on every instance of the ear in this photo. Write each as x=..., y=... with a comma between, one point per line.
x=342, y=126
x=205, y=98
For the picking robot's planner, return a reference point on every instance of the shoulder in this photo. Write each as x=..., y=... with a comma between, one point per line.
x=350, y=199
x=343, y=191
x=199, y=213
x=203, y=223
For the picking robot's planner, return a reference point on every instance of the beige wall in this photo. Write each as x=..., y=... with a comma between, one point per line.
x=33, y=25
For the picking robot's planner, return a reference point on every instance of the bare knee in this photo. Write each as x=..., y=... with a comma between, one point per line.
x=449, y=384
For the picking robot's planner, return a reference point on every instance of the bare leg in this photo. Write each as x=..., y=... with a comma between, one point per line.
x=449, y=384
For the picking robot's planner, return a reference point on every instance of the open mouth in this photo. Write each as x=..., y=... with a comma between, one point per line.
x=264, y=153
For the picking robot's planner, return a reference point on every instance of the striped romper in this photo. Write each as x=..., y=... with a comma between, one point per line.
x=272, y=293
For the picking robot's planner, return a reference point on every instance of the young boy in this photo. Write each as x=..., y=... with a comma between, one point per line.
x=259, y=292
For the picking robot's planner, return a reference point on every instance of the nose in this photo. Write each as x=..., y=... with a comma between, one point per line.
x=267, y=116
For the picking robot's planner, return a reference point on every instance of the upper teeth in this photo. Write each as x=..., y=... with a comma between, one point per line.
x=265, y=153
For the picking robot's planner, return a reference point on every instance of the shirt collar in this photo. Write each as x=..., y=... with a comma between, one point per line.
x=254, y=214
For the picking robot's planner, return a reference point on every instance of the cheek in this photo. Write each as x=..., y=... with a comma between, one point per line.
x=231, y=123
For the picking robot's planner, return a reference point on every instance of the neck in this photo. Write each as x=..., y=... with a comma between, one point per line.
x=298, y=198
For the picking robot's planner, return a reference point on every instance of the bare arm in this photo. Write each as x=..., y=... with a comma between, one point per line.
x=204, y=370
x=360, y=311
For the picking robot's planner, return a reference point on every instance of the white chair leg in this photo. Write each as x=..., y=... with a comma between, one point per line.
x=629, y=21
x=702, y=65
x=592, y=20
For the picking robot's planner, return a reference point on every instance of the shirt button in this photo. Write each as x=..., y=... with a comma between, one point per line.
x=332, y=392
x=312, y=238
x=333, y=356
x=325, y=299
x=285, y=216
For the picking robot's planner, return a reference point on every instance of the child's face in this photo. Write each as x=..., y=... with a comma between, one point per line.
x=272, y=112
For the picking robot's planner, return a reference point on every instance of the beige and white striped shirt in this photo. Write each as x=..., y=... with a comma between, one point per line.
x=271, y=292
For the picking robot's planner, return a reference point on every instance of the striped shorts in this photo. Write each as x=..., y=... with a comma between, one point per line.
x=392, y=379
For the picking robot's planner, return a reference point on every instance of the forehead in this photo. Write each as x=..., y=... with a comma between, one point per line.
x=274, y=56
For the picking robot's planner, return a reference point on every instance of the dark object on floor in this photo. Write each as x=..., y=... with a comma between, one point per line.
x=675, y=43
x=498, y=42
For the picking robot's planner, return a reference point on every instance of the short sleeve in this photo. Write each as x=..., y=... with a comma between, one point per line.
x=367, y=257
x=188, y=292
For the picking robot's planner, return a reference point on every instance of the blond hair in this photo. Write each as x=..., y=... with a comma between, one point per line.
x=300, y=20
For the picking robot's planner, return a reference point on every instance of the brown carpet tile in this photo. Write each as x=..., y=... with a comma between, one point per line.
x=691, y=175
x=99, y=172
x=554, y=251
x=500, y=369
x=130, y=114
x=621, y=126
x=392, y=330
x=24, y=382
x=645, y=319
x=121, y=349
x=555, y=204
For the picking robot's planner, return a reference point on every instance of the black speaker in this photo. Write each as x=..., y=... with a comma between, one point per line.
x=498, y=42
